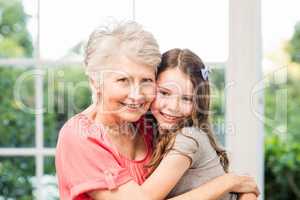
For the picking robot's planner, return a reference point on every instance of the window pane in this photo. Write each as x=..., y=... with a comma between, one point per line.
x=17, y=107
x=50, y=188
x=66, y=92
x=18, y=25
x=65, y=25
x=201, y=26
x=217, y=80
x=16, y=180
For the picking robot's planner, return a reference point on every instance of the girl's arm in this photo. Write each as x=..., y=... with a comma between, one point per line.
x=157, y=186
x=211, y=190
x=165, y=177
x=172, y=168
x=247, y=196
x=129, y=190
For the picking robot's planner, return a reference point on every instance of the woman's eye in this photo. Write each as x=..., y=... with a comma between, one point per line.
x=147, y=80
x=164, y=93
x=122, y=80
x=187, y=99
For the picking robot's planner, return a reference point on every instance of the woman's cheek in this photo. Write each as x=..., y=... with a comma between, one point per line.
x=121, y=88
x=149, y=90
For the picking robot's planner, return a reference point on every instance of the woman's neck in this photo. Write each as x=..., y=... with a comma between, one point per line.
x=110, y=123
x=123, y=135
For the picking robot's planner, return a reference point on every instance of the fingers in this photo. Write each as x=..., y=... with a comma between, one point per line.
x=257, y=192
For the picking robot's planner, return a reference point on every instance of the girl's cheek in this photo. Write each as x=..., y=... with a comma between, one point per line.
x=161, y=102
x=157, y=104
x=186, y=110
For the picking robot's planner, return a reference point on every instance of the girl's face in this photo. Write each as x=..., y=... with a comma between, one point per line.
x=174, y=99
x=127, y=90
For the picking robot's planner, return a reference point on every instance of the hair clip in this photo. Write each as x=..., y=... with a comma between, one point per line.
x=205, y=71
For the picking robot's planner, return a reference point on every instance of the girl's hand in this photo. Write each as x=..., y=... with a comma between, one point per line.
x=243, y=184
x=247, y=196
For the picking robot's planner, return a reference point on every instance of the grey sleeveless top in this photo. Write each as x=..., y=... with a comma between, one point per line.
x=205, y=163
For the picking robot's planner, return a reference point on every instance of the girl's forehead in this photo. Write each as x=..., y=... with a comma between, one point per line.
x=175, y=80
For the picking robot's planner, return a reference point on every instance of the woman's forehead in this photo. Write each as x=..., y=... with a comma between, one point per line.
x=123, y=66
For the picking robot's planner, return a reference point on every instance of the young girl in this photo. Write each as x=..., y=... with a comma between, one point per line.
x=185, y=140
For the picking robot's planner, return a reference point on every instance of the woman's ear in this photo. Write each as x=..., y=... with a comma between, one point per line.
x=96, y=91
x=95, y=85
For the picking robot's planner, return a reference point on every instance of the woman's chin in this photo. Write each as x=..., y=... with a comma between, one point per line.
x=131, y=117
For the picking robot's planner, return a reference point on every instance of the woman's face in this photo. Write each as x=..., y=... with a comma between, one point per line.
x=174, y=99
x=127, y=90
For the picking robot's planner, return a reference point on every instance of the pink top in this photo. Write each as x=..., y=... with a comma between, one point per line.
x=86, y=160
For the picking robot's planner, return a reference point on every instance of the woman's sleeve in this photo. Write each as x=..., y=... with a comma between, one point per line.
x=84, y=164
x=187, y=143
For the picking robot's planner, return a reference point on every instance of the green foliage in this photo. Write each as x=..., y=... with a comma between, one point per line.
x=17, y=127
x=282, y=149
x=217, y=81
x=66, y=93
x=294, y=45
x=15, y=41
x=69, y=94
x=15, y=176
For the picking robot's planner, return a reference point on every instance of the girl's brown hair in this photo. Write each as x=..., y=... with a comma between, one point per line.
x=190, y=64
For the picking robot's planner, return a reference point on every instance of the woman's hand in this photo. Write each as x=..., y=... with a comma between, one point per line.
x=243, y=184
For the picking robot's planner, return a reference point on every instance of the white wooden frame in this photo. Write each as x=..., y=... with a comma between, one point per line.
x=245, y=140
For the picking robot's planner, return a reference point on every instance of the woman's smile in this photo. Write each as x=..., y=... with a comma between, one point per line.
x=134, y=107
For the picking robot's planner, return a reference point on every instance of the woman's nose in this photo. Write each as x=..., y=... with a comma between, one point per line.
x=135, y=93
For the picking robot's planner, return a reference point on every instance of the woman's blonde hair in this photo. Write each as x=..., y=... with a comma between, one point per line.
x=190, y=64
x=127, y=38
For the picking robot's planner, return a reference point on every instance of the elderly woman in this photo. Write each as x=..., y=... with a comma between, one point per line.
x=102, y=152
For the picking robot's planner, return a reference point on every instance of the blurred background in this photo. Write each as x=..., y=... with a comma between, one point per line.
x=42, y=81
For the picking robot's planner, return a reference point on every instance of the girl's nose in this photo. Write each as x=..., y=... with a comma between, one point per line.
x=173, y=104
